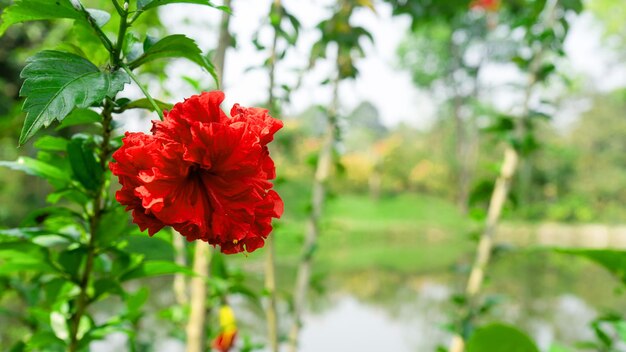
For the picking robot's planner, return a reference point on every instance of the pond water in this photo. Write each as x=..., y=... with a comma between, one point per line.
x=378, y=310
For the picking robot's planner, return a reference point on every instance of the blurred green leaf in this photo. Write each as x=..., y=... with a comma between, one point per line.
x=156, y=268
x=57, y=82
x=113, y=224
x=152, y=248
x=150, y=4
x=45, y=340
x=84, y=165
x=500, y=338
x=36, y=168
x=33, y=10
x=144, y=103
x=58, y=322
x=612, y=260
x=79, y=117
x=135, y=302
x=71, y=261
x=58, y=291
x=107, y=285
x=175, y=46
x=101, y=17
x=51, y=143
x=558, y=348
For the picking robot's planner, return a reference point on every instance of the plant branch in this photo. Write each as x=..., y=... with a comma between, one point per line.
x=94, y=220
x=92, y=22
x=118, y=8
x=121, y=33
x=318, y=196
x=270, y=261
x=223, y=43
x=499, y=195
x=145, y=92
x=197, y=316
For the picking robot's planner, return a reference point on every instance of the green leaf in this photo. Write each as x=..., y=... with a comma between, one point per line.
x=175, y=46
x=45, y=340
x=58, y=322
x=107, y=285
x=500, y=338
x=50, y=143
x=150, y=4
x=135, y=302
x=33, y=10
x=57, y=82
x=144, y=103
x=112, y=225
x=71, y=261
x=83, y=162
x=101, y=17
x=132, y=49
x=612, y=260
x=36, y=168
x=79, y=117
x=156, y=268
x=58, y=292
x=23, y=256
x=153, y=248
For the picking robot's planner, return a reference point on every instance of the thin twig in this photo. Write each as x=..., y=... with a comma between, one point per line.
x=145, y=92
x=197, y=316
x=499, y=195
x=318, y=196
x=270, y=261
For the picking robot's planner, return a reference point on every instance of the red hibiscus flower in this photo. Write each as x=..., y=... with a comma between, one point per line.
x=203, y=173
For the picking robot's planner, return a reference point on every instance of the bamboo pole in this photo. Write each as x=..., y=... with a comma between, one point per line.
x=197, y=317
x=180, y=283
x=196, y=326
x=322, y=172
x=223, y=43
x=501, y=190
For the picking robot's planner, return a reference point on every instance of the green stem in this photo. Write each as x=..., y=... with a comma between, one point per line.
x=145, y=92
x=118, y=8
x=92, y=22
x=116, y=54
x=135, y=16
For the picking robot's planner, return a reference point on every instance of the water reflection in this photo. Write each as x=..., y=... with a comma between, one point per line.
x=354, y=325
x=379, y=310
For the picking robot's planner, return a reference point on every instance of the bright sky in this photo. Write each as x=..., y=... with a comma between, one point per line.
x=380, y=82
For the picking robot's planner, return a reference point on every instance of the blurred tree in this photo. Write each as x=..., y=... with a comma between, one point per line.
x=544, y=26
x=446, y=57
x=599, y=138
x=363, y=130
x=345, y=39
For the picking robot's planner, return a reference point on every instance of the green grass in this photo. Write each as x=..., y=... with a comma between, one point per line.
x=408, y=233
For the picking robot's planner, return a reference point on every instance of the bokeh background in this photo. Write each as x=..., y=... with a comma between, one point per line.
x=419, y=149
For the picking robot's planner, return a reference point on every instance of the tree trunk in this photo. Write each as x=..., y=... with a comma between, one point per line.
x=180, y=283
x=223, y=43
x=197, y=316
x=202, y=258
x=500, y=193
x=322, y=172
